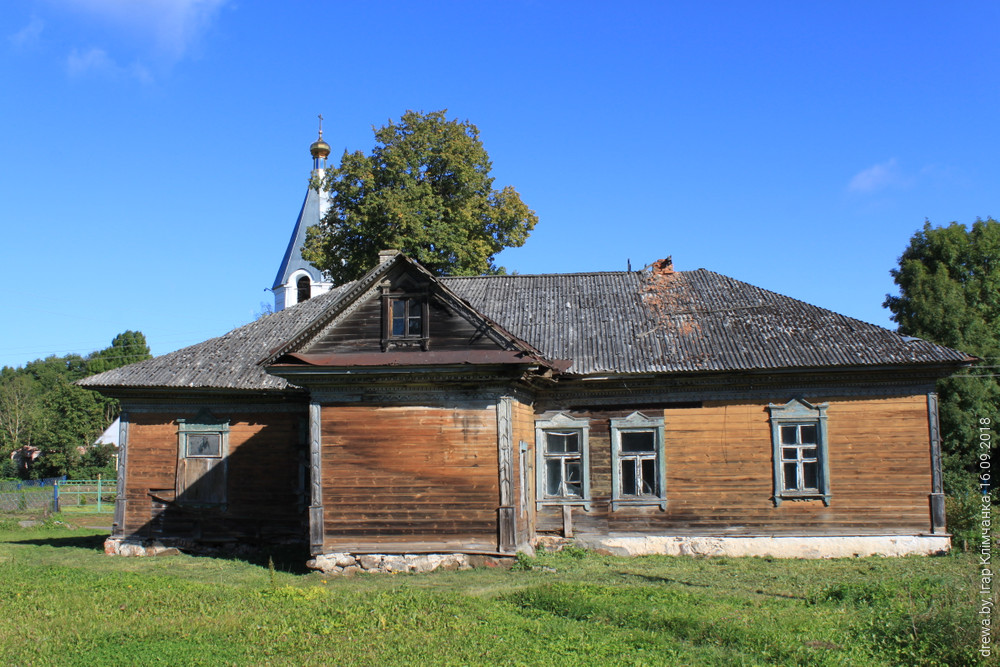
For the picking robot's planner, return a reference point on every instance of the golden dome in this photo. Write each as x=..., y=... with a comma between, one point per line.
x=319, y=148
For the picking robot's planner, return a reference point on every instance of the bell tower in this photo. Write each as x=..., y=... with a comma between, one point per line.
x=297, y=279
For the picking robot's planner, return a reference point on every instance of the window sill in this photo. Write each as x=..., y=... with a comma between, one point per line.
x=825, y=497
x=620, y=503
x=585, y=503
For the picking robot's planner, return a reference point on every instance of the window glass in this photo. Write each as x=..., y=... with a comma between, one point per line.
x=789, y=435
x=398, y=317
x=628, y=479
x=810, y=477
x=553, y=477
x=791, y=476
x=574, y=478
x=638, y=441
x=649, y=477
x=204, y=445
x=807, y=434
x=415, y=318
x=562, y=441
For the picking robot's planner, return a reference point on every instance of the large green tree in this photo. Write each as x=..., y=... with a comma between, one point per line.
x=41, y=407
x=425, y=190
x=949, y=293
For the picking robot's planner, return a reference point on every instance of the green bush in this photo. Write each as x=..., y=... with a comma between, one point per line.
x=962, y=510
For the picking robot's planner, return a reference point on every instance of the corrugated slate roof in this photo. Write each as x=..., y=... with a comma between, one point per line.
x=226, y=362
x=653, y=322
x=606, y=323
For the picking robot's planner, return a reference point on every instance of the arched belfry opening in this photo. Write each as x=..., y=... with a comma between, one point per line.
x=304, y=289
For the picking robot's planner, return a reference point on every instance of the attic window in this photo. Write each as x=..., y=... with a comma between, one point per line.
x=405, y=320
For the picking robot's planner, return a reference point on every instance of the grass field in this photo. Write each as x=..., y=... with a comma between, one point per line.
x=63, y=602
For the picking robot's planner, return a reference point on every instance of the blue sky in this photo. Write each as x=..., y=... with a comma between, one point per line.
x=154, y=159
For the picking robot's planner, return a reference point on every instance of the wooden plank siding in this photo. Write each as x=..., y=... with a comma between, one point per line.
x=719, y=473
x=361, y=332
x=409, y=477
x=264, y=487
x=524, y=472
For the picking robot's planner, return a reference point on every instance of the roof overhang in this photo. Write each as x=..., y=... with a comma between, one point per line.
x=418, y=358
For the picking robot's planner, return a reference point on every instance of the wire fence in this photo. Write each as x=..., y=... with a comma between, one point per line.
x=91, y=496
x=30, y=495
x=58, y=494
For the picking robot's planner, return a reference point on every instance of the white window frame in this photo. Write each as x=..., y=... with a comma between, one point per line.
x=799, y=412
x=637, y=422
x=562, y=423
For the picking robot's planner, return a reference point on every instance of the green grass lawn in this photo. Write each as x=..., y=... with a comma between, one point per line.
x=62, y=601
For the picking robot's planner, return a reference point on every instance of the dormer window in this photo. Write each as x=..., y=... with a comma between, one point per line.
x=407, y=318
x=404, y=320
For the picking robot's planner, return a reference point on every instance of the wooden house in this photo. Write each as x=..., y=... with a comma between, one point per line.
x=652, y=411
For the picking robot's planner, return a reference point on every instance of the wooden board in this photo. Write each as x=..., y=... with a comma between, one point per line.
x=419, y=474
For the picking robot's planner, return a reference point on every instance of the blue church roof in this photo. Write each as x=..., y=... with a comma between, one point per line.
x=292, y=260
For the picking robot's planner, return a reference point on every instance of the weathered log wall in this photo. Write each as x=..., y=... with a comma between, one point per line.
x=719, y=473
x=264, y=480
x=410, y=478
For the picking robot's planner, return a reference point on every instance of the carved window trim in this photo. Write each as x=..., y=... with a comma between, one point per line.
x=638, y=423
x=413, y=301
x=799, y=413
x=562, y=424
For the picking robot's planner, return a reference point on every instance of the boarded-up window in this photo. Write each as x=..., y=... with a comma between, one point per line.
x=203, y=443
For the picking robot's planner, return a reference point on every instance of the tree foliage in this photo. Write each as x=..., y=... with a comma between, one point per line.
x=40, y=407
x=425, y=190
x=949, y=284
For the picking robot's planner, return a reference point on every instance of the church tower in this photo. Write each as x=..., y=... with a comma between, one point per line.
x=297, y=279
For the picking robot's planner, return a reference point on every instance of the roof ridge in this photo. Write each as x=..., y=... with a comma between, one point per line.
x=545, y=275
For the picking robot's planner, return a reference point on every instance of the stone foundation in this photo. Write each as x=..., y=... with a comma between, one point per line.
x=841, y=546
x=118, y=546
x=345, y=563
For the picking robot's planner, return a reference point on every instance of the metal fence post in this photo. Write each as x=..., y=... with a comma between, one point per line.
x=98, y=493
x=55, y=497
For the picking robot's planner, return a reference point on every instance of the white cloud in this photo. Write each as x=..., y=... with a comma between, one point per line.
x=172, y=26
x=97, y=61
x=28, y=35
x=878, y=177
